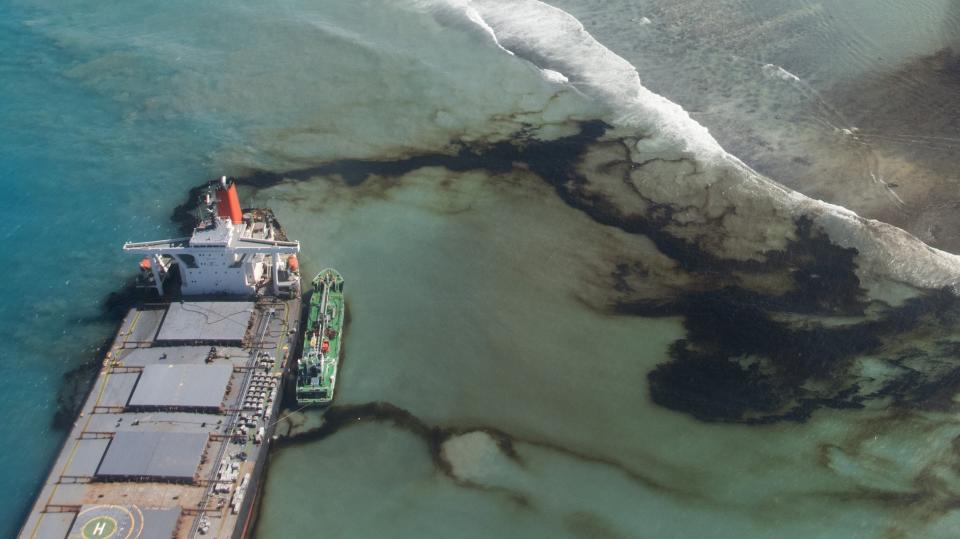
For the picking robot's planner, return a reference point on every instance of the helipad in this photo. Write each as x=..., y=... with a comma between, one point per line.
x=124, y=522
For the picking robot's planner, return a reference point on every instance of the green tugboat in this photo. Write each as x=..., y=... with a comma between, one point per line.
x=317, y=370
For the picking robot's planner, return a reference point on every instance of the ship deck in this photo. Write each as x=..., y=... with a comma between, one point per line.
x=170, y=434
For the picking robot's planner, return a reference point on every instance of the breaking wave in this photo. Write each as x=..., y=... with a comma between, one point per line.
x=674, y=160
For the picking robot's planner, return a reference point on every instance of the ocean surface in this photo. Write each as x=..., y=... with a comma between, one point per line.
x=614, y=268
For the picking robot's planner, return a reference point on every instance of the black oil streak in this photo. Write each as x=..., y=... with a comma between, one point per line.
x=705, y=379
x=338, y=418
x=725, y=321
x=589, y=525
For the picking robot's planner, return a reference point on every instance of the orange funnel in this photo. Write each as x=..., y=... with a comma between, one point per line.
x=228, y=204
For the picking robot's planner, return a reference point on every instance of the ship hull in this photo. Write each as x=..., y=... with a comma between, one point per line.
x=95, y=486
x=172, y=440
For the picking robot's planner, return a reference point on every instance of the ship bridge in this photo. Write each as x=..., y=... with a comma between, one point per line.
x=231, y=252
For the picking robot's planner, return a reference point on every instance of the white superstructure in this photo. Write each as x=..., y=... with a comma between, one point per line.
x=232, y=252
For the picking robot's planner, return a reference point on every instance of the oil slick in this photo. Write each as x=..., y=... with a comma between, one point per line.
x=635, y=311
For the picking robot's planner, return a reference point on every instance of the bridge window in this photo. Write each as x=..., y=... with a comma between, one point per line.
x=188, y=260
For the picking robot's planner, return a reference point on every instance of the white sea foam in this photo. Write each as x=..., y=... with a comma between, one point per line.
x=777, y=72
x=478, y=20
x=554, y=40
x=554, y=76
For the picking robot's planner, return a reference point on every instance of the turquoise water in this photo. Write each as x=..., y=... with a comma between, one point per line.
x=77, y=182
x=481, y=291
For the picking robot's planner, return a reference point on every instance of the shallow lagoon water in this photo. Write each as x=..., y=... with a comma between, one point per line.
x=476, y=307
x=490, y=304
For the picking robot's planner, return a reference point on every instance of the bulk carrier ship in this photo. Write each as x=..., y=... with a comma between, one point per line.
x=173, y=438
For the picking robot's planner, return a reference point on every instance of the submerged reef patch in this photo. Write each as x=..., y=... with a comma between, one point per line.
x=896, y=121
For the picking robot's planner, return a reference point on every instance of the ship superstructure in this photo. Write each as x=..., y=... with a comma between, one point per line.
x=172, y=439
x=231, y=252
